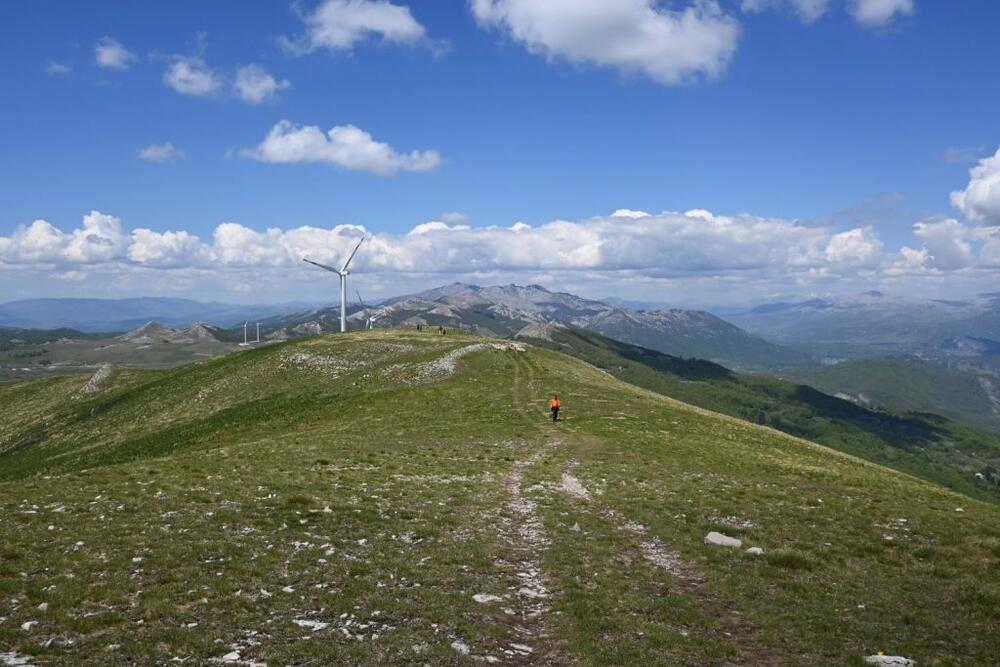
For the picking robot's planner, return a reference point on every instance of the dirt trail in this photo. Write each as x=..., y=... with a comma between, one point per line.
x=653, y=548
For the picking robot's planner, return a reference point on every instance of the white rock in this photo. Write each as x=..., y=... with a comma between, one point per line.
x=27, y=626
x=461, y=647
x=43, y=606
x=755, y=551
x=959, y=509
x=11, y=658
x=890, y=661
x=486, y=597
x=288, y=589
x=231, y=657
x=722, y=540
x=305, y=623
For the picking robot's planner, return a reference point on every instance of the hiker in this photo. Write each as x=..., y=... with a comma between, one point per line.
x=554, y=404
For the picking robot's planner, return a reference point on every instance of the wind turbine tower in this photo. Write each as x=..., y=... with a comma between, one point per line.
x=258, y=333
x=343, y=273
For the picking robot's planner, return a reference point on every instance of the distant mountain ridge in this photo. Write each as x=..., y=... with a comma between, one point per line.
x=92, y=315
x=874, y=318
x=503, y=310
x=154, y=332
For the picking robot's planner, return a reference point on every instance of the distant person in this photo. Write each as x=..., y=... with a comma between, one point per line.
x=441, y=329
x=554, y=405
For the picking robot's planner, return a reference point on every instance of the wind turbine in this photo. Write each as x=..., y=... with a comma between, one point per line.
x=342, y=272
x=369, y=320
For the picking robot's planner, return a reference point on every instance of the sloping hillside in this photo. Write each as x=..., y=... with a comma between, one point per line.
x=910, y=383
x=935, y=448
x=401, y=497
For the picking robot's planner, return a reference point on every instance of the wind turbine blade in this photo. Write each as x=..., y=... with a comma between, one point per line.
x=322, y=266
x=351, y=256
x=361, y=301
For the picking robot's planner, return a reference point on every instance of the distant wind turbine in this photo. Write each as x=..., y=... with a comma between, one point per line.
x=369, y=320
x=343, y=273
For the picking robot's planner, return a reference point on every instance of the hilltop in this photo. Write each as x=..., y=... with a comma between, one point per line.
x=400, y=497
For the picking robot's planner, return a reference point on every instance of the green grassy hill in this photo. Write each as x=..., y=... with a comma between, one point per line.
x=907, y=384
x=951, y=453
x=391, y=497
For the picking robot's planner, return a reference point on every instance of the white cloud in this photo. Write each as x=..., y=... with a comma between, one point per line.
x=946, y=243
x=683, y=252
x=110, y=54
x=165, y=152
x=629, y=213
x=167, y=249
x=669, y=46
x=53, y=68
x=856, y=248
x=980, y=201
x=99, y=239
x=191, y=76
x=877, y=13
x=869, y=13
x=341, y=24
x=345, y=145
x=808, y=10
x=255, y=85
x=989, y=257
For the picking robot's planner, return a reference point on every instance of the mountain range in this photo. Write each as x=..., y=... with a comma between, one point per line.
x=109, y=315
x=875, y=319
x=505, y=310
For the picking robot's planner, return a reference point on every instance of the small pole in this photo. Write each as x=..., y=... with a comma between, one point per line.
x=245, y=333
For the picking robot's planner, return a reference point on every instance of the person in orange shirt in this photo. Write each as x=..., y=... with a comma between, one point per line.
x=554, y=404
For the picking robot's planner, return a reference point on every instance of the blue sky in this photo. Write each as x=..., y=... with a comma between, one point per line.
x=775, y=121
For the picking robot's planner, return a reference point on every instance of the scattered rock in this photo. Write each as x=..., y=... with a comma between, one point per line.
x=27, y=625
x=890, y=661
x=14, y=659
x=461, y=647
x=721, y=540
x=755, y=551
x=486, y=597
x=233, y=656
x=306, y=623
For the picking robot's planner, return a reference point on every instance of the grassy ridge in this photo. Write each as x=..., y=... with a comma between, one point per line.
x=349, y=481
x=950, y=453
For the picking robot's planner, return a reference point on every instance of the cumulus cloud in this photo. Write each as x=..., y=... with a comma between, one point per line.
x=946, y=243
x=980, y=201
x=339, y=25
x=254, y=84
x=856, y=248
x=189, y=75
x=164, y=153
x=669, y=46
x=110, y=54
x=344, y=145
x=167, y=249
x=99, y=239
x=681, y=250
x=877, y=13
